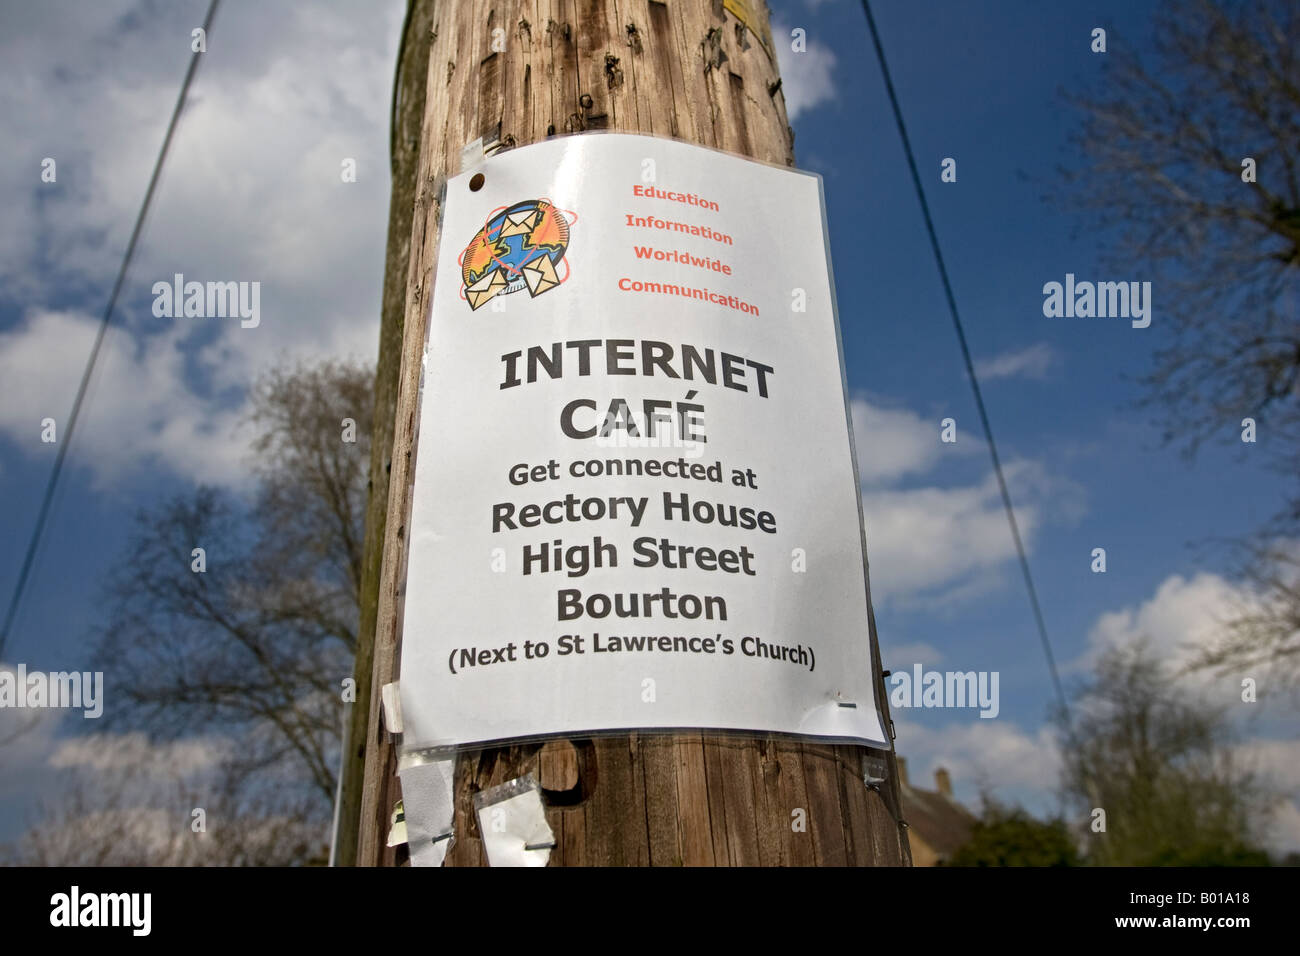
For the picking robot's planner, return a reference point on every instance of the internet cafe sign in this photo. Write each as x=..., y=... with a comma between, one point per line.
x=635, y=500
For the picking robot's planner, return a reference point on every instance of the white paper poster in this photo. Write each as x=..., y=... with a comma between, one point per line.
x=635, y=501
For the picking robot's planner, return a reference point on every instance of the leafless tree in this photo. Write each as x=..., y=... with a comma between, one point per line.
x=1168, y=142
x=1263, y=631
x=125, y=801
x=1163, y=142
x=1159, y=762
x=255, y=646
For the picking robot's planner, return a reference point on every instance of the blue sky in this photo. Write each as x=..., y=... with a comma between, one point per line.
x=252, y=191
x=980, y=83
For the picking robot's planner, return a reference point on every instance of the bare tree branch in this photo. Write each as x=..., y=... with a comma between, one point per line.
x=257, y=643
x=1162, y=146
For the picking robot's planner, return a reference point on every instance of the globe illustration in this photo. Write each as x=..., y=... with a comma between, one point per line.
x=519, y=247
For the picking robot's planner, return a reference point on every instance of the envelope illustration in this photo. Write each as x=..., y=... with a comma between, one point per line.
x=540, y=275
x=486, y=287
x=518, y=223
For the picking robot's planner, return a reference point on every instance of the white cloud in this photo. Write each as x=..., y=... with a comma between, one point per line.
x=138, y=412
x=984, y=755
x=1178, y=620
x=1032, y=362
x=251, y=191
x=1277, y=762
x=946, y=543
x=893, y=442
x=1010, y=764
x=116, y=799
x=34, y=755
x=1282, y=830
x=26, y=736
x=103, y=753
x=1024, y=767
x=951, y=543
x=806, y=79
x=1183, y=616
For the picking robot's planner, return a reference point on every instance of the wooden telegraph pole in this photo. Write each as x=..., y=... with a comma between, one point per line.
x=507, y=73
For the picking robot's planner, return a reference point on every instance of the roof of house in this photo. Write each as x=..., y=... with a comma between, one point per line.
x=935, y=817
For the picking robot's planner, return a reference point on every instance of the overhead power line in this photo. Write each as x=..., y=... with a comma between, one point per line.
x=970, y=366
x=42, y=515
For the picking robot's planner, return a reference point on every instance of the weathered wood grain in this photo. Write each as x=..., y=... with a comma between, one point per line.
x=681, y=68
